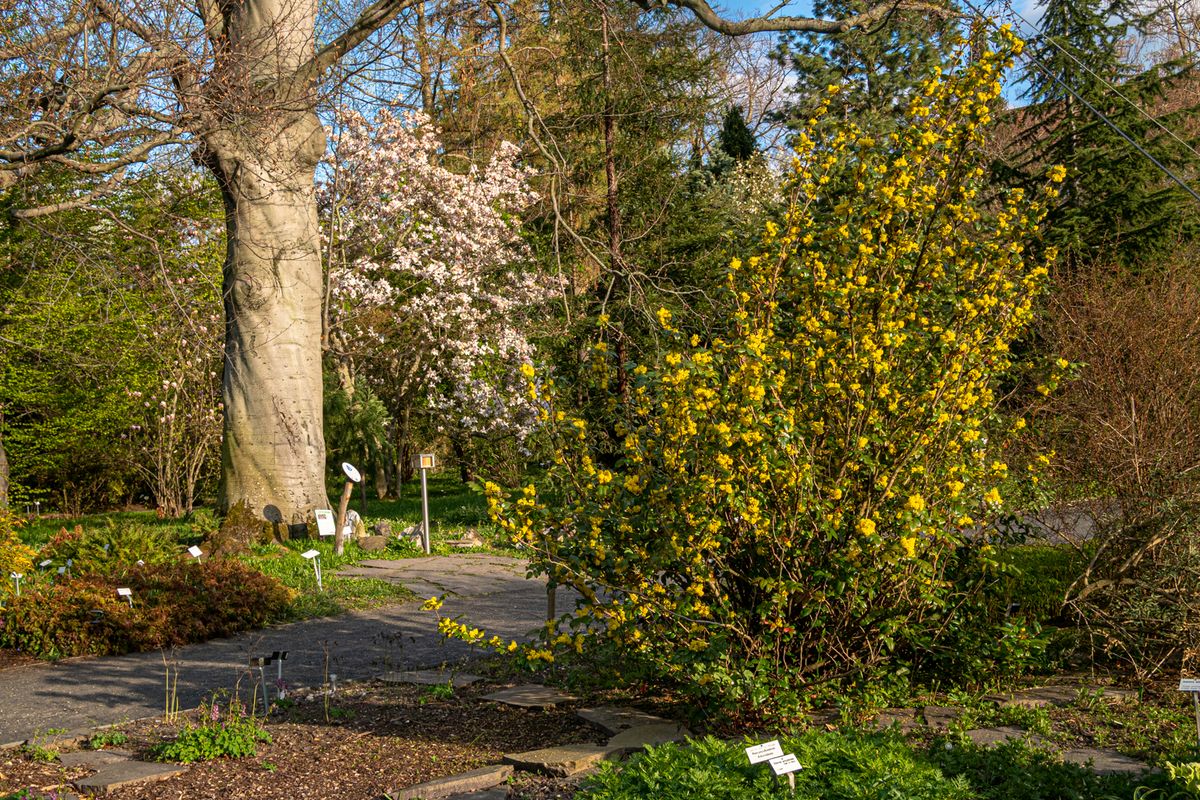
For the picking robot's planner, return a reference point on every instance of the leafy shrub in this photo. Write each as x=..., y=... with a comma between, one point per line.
x=843, y=766
x=14, y=555
x=870, y=766
x=231, y=734
x=113, y=548
x=174, y=604
x=786, y=501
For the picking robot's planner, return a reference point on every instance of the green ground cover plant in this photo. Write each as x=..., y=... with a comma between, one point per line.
x=226, y=732
x=852, y=765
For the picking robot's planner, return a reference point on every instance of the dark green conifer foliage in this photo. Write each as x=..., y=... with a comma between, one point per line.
x=736, y=140
x=1115, y=206
x=876, y=68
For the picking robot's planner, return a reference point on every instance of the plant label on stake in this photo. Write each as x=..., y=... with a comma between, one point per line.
x=786, y=765
x=764, y=752
x=315, y=557
x=46, y=563
x=1192, y=687
x=326, y=524
x=16, y=576
x=195, y=552
x=127, y=594
x=352, y=477
x=279, y=656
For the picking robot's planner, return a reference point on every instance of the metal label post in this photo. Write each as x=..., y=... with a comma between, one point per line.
x=425, y=462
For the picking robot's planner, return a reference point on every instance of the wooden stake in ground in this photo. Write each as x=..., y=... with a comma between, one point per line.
x=352, y=477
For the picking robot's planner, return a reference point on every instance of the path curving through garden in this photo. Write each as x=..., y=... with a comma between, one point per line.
x=490, y=592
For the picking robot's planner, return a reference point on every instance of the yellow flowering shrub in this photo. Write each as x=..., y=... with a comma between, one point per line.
x=15, y=556
x=789, y=496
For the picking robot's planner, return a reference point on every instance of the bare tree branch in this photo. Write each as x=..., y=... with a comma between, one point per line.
x=373, y=17
x=711, y=19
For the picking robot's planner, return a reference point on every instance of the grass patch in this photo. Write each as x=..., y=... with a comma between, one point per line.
x=285, y=564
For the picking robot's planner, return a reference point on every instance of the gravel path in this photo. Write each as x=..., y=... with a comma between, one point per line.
x=490, y=592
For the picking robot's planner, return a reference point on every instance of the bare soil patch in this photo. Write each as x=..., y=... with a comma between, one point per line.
x=368, y=739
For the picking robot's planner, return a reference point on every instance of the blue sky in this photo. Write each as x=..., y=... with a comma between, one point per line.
x=1029, y=10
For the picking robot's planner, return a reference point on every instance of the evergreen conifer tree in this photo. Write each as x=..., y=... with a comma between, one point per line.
x=736, y=140
x=1116, y=205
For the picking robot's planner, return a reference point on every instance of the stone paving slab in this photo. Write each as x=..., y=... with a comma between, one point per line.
x=906, y=718
x=634, y=740
x=93, y=759
x=486, y=794
x=431, y=677
x=559, y=762
x=941, y=717
x=990, y=737
x=614, y=719
x=531, y=696
x=1045, y=696
x=463, y=783
x=114, y=776
x=1105, y=762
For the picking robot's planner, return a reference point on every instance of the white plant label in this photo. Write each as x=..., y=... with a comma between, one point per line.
x=195, y=551
x=123, y=592
x=785, y=764
x=1189, y=685
x=326, y=524
x=351, y=472
x=311, y=553
x=62, y=570
x=764, y=752
x=46, y=563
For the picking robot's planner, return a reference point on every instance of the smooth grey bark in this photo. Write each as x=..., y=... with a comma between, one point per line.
x=273, y=452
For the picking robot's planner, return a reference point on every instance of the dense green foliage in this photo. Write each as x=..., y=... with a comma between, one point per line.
x=850, y=765
x=227, y=732
x=1116, y=205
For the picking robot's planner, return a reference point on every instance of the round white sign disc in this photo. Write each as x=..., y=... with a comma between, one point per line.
x=351, y=472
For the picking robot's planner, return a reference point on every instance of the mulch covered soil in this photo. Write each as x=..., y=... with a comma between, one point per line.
x=371, y=739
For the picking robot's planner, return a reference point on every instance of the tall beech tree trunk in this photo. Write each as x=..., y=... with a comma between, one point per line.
x=273, y=452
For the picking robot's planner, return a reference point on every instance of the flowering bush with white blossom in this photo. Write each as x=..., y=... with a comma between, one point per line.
x=428, y=273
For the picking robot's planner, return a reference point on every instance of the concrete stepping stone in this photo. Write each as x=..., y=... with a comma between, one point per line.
x=456, y=785
x=614, y=719
x=1105, y=762
x=93, y=759
x=530, y=696
x=124, y=773
x=559, y=762
x=634, y=740
x=940, y=718
x=1045, y=696
x=431, y=677
x=906, y=718
x=990, y=737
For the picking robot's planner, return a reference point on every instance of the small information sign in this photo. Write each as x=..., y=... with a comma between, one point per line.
x=124, y=592
x=426, y=461
x=195, y=552
x=764, y=752
x=326, y=524
x=1189, y=685
x=785, y=764
x=311, y=553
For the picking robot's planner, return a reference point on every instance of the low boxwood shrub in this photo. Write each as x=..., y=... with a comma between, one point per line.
x=173, y=604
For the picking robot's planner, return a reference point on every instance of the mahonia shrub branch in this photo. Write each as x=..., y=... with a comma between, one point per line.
x=789, y=497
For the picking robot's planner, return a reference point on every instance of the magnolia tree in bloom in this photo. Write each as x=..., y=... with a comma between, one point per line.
x=430, y=289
